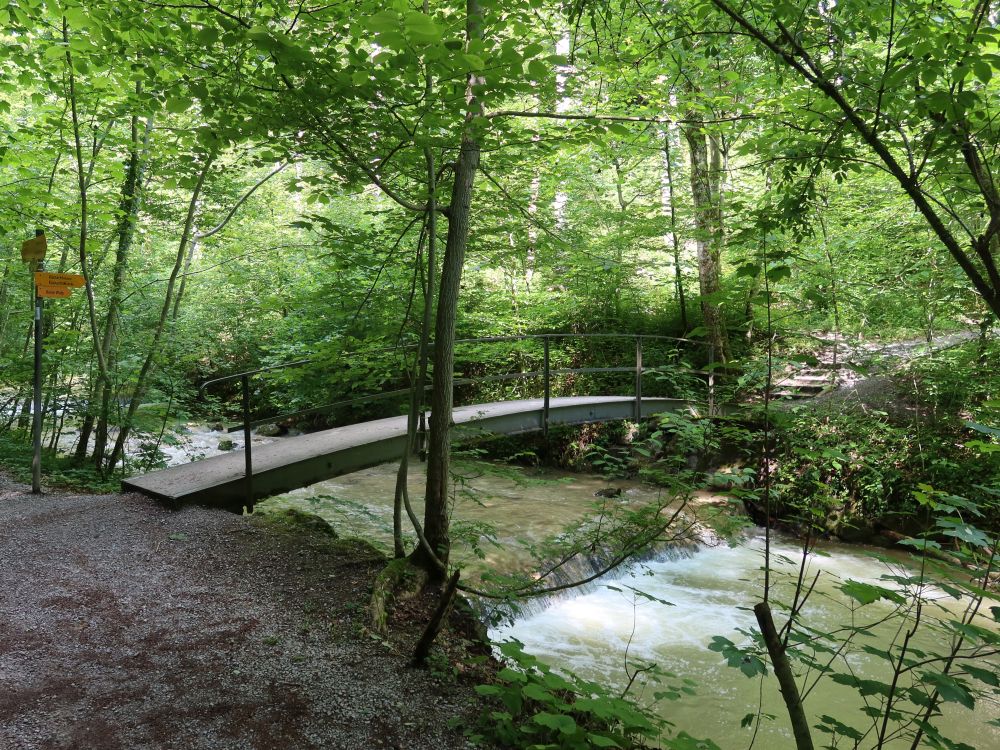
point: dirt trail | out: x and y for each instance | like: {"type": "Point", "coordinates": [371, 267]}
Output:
{"type": "Point", "coordinates": [127, 626]}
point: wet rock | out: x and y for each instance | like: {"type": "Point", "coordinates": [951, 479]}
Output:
{"type": "Point", "coordinates": [226, 444]}
{"type": "Point", "coordinates": [271, 430]}
{"type": "Point", "coordinates": [609, 492]}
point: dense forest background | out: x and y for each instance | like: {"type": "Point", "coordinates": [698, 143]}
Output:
{"type": "Point", "coordinates": [778, 184]}
{"type": "Point", "coordinates": [250, 185]}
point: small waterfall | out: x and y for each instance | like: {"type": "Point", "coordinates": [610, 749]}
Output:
{"type": "Point", "coordinates": [580, 568]}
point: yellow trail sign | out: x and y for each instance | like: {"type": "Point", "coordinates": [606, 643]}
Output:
{"type": "Point", "coordinates": [75, 280]}
{"type": "Point", "coordinates": [54, 292]}
{"type": "Point", "coordinates": [34, 249]}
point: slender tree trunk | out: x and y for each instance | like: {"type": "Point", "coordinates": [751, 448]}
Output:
{"type": "Point", "coordinates": [192, 249]}
{"type": "Point", "coordinates": [141, 381]}
{"type": "Point", "coordinates": [786, 679]}
{"type": "Point", "coordinates": [420, 365]}
{"type": "Point", "coordinates": [675, 242]}
{"type": "Point", "coordinates": [83, 182]}
{"type": "Point", "coordinates": [131, 202]}
{"type": "Point", "coordinates": [436, 519]}
{"type": "Point", "coordinates": [708, 221]}
{"type": "Point", "coordinates": [4, 304]}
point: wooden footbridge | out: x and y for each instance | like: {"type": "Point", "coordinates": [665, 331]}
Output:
{"type": "Point", "coordinates": [234, 481]}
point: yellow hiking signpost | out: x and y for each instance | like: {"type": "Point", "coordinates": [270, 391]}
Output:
{"type": "Point", "coordinates": [57, 285]}
{"type": "Point", "coordinates": [53, 292]}
{"type": "Point", "coordinates": [66, 280]}
{"type": "Point", "coordinates": [47, 286]}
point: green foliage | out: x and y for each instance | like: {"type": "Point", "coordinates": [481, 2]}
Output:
{"type": "Point", "coordinates": [60, 471]}
{"type": "Point", "coordinates": [850, 471]}
{"type": "Point", "coordinates": [536, 708]}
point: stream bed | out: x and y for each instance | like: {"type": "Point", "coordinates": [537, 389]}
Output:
{"type": "Point", "coordinates": [710, 593]}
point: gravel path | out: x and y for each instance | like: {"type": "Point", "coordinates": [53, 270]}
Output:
{"type": "Point", "coordinates": [127, 626]}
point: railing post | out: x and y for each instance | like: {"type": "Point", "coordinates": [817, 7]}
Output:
{"type": "Point", "coordinates": [638, 378]}
{"type": "Point", "coordinates": [547, 377]}
{"type": "Point", "coordinates": [247, 446]}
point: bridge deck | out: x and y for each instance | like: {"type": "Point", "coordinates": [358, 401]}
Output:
{"type": "Point", "coordinates": [290, 463]}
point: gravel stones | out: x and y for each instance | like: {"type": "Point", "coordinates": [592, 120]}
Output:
{"type": "Point", "coordinates": [126, 625]}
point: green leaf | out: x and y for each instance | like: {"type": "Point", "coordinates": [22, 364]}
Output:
{"type": "Point", "coordinates": [560, 722]}
{"type": "Point", "coordinates": [421, 28]}
{"type": "Point", "coordinates": [989, 676]}
{"type": "Point", "coordinates": [981, 428]}
{"type": "Point", "coordinates": [921, 544]}
{"type": "Point", "coordinates": [778, 273]}
{"type": "Point", "coordinates": [54, 52]}
{"type": "Point", "coordinates": [684, 741]}
{"type": "Point", "coordinates": [472, 62]}
{"type": "Point", "coordinates": [537, 70]}
{"type": "Point", "coordinates": [599, 740]}
{"type": "Point", "coordinates": [831, 725]}
{"type": "Point", "coordinates": [950, 689]}
{"type": "Point", "coordinates": [966, 532]}
{"type": "Point", "coordinates": [207, 36]}
{"type": "Point", "coordinates": [866, 593]}
{"type": "Point", "coordinates": [176, 105]}
{"type": "Point", "coordinates": [536, 692]}
{"type": "Point", "coordinates": [983, 70]}
{"type": "Point", "coordinates": [78, 18]}
{"type": "Point", "coordinates": [744, 659]}
{"type": "Point", "coordinates": [382, 21]}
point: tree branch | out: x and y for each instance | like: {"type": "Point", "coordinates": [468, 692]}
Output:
{"type": "Point", "coordinates": [240, 202]}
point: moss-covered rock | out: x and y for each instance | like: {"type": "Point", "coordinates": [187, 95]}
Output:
{"type": "Point", "coordinates": [295, 519]}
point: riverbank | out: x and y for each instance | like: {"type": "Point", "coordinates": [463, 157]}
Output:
{"type": "Point", "coordinates": [126, 625]}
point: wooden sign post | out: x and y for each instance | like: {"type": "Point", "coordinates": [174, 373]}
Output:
{"type": "Point", "coordinates": [46, 286]}
{"type": "Point", "coordinates": [33, 252]}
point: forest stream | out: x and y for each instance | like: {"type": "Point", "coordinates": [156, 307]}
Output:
{"type": "Point", "coordinates": [710, 590]}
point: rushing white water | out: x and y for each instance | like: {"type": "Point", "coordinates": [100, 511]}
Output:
{"type": "Point", "coordinates": [712, 592]}
{"type": "Point", "coordinates": [180, 444]}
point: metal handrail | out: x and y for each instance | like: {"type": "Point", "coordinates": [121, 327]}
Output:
{"type": "Point", "coordinates": [430, 345]}
{"type": "Point", "coordinates": [248, 373]}
{"type": "Point", "coordinates": [546, 373]}
{"type": "Point", "coordinates": [326, 408]}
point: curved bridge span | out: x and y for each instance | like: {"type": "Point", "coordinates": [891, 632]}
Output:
{"type": "Point", "coordinates": [289, 463]}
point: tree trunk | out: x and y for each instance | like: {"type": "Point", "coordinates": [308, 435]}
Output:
{"type": "Point", "coordinates": [670, 203]}
{"type": "Point", "coordinates": [4, 304]}
{"type": "Point", "coordinates": [83, 183]}
{"type": "Point", "coordinates": [786, 679]}
{"type": "Point", "coordinates": [436, 519]}
{"type": "Point", "coordinates": [708, 222]}
{"type": "Point", "coordinates": [147, 365]}
{"type": "Point", "coordinates": [131, 202]}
